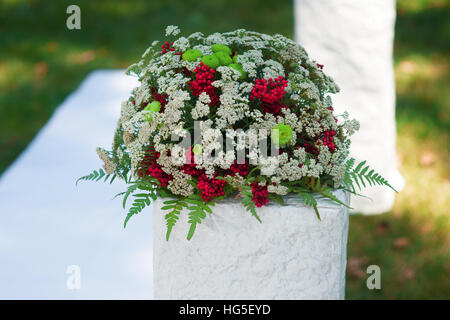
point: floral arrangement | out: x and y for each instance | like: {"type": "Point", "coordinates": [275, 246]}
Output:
{"type": "Point", "coordinates": [251, 88]}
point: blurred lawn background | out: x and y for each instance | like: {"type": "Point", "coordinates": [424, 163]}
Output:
{"type": "Point", "coordinates": [41, 62]}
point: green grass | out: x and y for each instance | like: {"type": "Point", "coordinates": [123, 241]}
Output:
{"type": "Point", "coordinates": [411, 244]}
{"type": "Point", "coordinates": [41, 62]}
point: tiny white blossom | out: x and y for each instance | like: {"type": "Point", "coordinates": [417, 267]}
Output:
{"type": "Point", "coordinates": [172, 31]}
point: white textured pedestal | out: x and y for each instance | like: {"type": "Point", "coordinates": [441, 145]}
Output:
{"type": "Point", "coordinates": [291, 255]}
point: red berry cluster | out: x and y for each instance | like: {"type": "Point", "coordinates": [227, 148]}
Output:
{"type": "Point", "coordinates": [192, 170]}
{"type": "Point", "coordinates": [210, 187]}
{"type": "Point", "coordinates": [166, 47]}
{"type": "Point", "coordinates": [260, 194]}
{"type": "Point", "coordinates": [311, 148]}
{"type": "Point", "coordinates": [149, 167]}
{"type": "Point", "coordinates": [150, 157]}
{"type": "Point", "coordinates": [190, 167]}
{"type": "Point", "coordinates": [157, 172]}
{"type": "Point", "coordinates": [162, 98]}
{"type": "Point", "coordinates": [242, 169]}
{"type": "Point", "coordinates": [328, 139]}
{"type": "Point", "coordinates": [142, 106]}
{"type": "Point", "coordinates": [270, 93]}
{"type": "Point", "coordinates": [204, 76]}
{"type": "Point", "coordinates": [185, 71]}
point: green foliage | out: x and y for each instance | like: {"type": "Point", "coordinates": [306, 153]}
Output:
{"type": "Point", "coordinates": [131, 189]}
{"type": "Point", "coordinates": [325, 191]}
{"type": "Point", "coordinates": [309, 200]}
{"type": "Point", "coordinates": [141, 199]}
{"type": "Point", "coordinates": [175, 206]}
{"type": "Point", "coordinates": [315, 186]}
{"type": "Point", "coordinates": [362, 174]}
{"type": "Point", "coordinates": [249, 204]}
{"type": "Point", "coordinates": [140, 202]}
{"type": "Point", "coordinates": [197, 212]}
{"type": "Point", "coordinates": [97, 175]}
{"type": "Point", "coordinates": [276, 198]}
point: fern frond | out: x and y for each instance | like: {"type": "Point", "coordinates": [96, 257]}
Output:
{"type": "Point", "coordinates": [97, 176]}
{"type": "Point", "coordinates": [277, 198]}
{"type": "Point", "coordinates": [348, 183]}
{"type": "Point", "coordinates": [119, 194]}
{"type": "Point", "coordinates": [350, 163]}
{"type": "Point", "coordinates": [359, 166]}
{"type": "Point", "coordinates": [175, 206]}
{"type": "Point", "coordinates": [362, 173]}
{"type": "Point", "coordinates": [327, 193]}
{"type": "Point", "coordinates": [195, 199]}
{"type": "Point", "coordinates": [141, 201]}
{"type": "Point", "coordinates": [131, 189]}
{"type": "Point", "coordinates": [309, 200]}
{"type": "Point", "coordinates": [197, 212]}
{"type": "Point", "coordinates": [249, 204]}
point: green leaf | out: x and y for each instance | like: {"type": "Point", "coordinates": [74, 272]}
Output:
{"type": "Point", "coordinates": [94, 176]}
{"type": "Point", "coordinates": [250, 205]}
{"type": "Point", "coordinates": [138, 205]}
{"type": "Point", "coordinates": [118, 195]}
{"type": "Point", "coordinates": [327, 193]}
{"type": "Point", "coordinates": [132, 188]}
{"type": "Point", "coordinates": [172, 217]}
{"type": "Point", "coordinates": [364, 170]}
{"type": "Point", "coordinates": [359, 166]}
{"type": "Point", "coordinates": [196, 212]}
{"type": "Point", "coordinates": [168, 202]}
{"type": "Point", "coordinates": [317, 212]}
{"type": "Point", "coordinates": [309, 200]}
{"type": "Point", "coordinates": [113, 178]}
{"type": "Point", "coordinates": [277, 198]}
{"type": "Point", "coordinates": [357, 175]}
{"type": "Point", "coordinates": [355, 179]}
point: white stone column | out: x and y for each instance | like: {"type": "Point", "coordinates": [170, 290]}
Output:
{"type": "Point", "coordinates": [353, 39]}
{"type": "Point", "coordinates": [290, 255]}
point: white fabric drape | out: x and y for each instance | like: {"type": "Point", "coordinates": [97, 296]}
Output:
{"type": "Point", "coordinates": [50, 225]}
{"type": "Point", "coordinates": [354, 40]}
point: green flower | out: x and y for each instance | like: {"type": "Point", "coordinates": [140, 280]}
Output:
{"type": "Point", "coordinates": [211, 61]}
{"type": "Point", "coordinates": [224, 58]}
{"type": "Point", "coordinates": [238, 67]}
{"type": "Point", "coordinates": [221, 48]}
{"type": "Point", "coordinates": [153, 107]}
{"type": "Point", "coordinates": [192, 55]}
{"type": "Point", "coordinates": [197, 149]}
{"type": "Point", "coordinates": [281, 134]}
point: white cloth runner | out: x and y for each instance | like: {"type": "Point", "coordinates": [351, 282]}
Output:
{"type": "Point", "coordinates": [354, 40]}
{"type": "Point", "coordinates": [48, 224]}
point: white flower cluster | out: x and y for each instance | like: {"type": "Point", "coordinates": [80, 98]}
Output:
{"type": "Point", "coordinates": [172, 31]}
